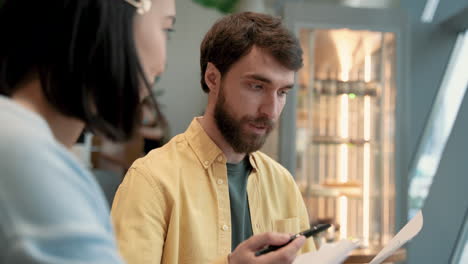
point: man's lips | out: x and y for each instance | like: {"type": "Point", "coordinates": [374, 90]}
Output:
{"type": "Point", "coordinates": [258, 128]}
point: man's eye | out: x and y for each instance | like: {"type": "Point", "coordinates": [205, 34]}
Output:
{"type": "Point", "coordinates": [169, 32]}
{"type": "Point", "coordinates": [283, 92]}
{"type": "Point", "coordinates": [256, 86]}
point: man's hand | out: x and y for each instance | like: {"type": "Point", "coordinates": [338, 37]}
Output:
{"type": "Point", "coordinates": [245, 252]}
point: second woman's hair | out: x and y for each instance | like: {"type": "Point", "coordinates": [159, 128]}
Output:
{"type": "Point", "coordinates": [84, 54]}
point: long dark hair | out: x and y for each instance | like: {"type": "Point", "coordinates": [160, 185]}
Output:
{"type": "Point", "coordinates": [83, 52]}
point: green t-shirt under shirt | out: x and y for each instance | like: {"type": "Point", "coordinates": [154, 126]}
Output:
{"type": "Point", "coordinates": [240, 212]}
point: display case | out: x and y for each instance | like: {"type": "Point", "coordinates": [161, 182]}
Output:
{"type": "Point", "coordinates": [346, 117]}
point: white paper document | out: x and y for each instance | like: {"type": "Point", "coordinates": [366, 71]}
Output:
{"type": "Point", "coordinates": [336, 253]}
{"type": "Point", "coordinates": [410, 230]}
{"type": "Point", "coordinates": [333, 253]}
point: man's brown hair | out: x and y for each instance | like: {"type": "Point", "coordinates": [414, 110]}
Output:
{"type": "Point", "coordinates": [233, 37]}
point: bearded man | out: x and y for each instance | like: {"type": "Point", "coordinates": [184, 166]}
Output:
{"type": "Point", "coordinates": [209, 191]}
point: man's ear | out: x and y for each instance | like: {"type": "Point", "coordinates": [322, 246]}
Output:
{"type": "Point", "coordinates": [212, 78]}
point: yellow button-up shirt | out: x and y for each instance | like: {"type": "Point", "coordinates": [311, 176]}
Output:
{"type": "Point", "coordinates": [173, 205]}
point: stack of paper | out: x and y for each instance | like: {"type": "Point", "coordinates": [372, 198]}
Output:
{"type": "Point", "coordinates": [336, 253]}
{"type": "Point", "coordinates": [328, 254]}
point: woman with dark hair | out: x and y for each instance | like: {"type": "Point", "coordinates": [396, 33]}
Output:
{"type": "Point", "coordinates": [64, 65]}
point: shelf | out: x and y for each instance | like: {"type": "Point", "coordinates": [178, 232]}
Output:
{"type": "Point", "coordinates": [327, 87]}
{"type": "Point", "coordinates": [333, 190]}
{"type": "Point", "coordinates": [367, 92]}
{"type": "Point", "coordinates": [338, 140]}
{"type": "Point", "coordinates": [367, 254]}
{"type": "Point", "coordinates": [347, 184]}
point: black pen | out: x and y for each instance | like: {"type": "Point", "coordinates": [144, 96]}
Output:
{"type": "Point", "coordinates": [307, 233]}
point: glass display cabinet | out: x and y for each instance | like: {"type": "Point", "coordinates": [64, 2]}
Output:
{"type": "Point", "coordinates": [346, 119]}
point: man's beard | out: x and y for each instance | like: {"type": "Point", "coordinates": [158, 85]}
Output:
{"type": "Point", "coordinates": [232, 129]}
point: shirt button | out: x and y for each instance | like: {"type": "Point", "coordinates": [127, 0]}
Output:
{"type": "Point", "coordinates": [220, 158]}
{"type": "Point", "coordinates": [206, 162]}
{"type": "Point", "coordinates": [220, 181]}
{"type": "Point", "coordinates": [225, 227]}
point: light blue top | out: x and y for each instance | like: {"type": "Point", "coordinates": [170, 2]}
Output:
{"type": "Point", "coordinates": [52, 210]}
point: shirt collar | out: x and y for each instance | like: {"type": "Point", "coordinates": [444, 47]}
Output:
{"type": "Point", "coordinates": [204, 147]}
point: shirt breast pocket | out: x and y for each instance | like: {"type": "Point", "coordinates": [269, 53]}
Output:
{"type": "Point", "coordinates": [288, 225]}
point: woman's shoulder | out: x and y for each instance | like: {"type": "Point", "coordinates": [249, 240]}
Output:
{"type": "Point", "coordinates": [30, 154]}
{"type": "Point", "coordinates": [21, 127]}
{"type": "Point", "coordinates": [35, 169]}
{"type": "Point", "coordinates": [29, 150]}
{"type": "Point", "coordinates": [23, 137]}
